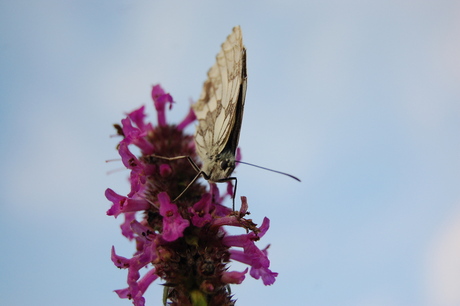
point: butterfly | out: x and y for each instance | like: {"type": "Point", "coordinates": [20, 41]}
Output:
{"type": "Point", "coordinates": [219, 110]}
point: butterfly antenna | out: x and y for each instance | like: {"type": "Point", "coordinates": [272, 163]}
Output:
{"type": "Point", "coordinates": [284, 173]}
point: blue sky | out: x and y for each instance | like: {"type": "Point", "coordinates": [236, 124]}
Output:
{"type": "Point", "coordinates": [359, 99]}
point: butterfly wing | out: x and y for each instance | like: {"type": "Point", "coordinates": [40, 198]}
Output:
{"type": "Point", "coordinates": [219, 109]}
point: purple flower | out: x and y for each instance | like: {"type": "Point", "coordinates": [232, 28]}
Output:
{"type": "Point", "coordinates": [184, 242]}
{"type": "Point", "coordinates": [234, 277]}
{"type": "Point", "coordinates": [124, 204]}
{"type": "Point", "coordinates": [200, 211]}
{"type": "Point", "coordinates": [173, 223]}
{"type": "Point", "coordinates": [188, 119]}
{"type": "Point", "coordinates": [160, 99]}
{"type": "Point", "coordinates": [136, 136]}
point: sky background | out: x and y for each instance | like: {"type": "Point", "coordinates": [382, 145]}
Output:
{"type": "Point", "coordinates": [360, 99]}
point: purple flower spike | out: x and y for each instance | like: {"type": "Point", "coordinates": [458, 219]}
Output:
{"type": "Point", "coordinates": [182, 242]}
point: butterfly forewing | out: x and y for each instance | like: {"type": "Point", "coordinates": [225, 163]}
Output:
{"type": "Point", "coordinates": [219, 110]}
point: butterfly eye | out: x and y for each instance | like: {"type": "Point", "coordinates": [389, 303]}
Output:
{"type": "Point", "coordinates": [224, 164]}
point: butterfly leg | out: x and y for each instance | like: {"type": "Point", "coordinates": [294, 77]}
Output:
{"type": "Point", "coordinates": [233, 178]}
{"type": "Point", "coordinates": [200, 173]}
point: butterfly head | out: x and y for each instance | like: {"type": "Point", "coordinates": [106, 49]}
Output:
{"type": "Point", "coordinates": [220, 167]}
